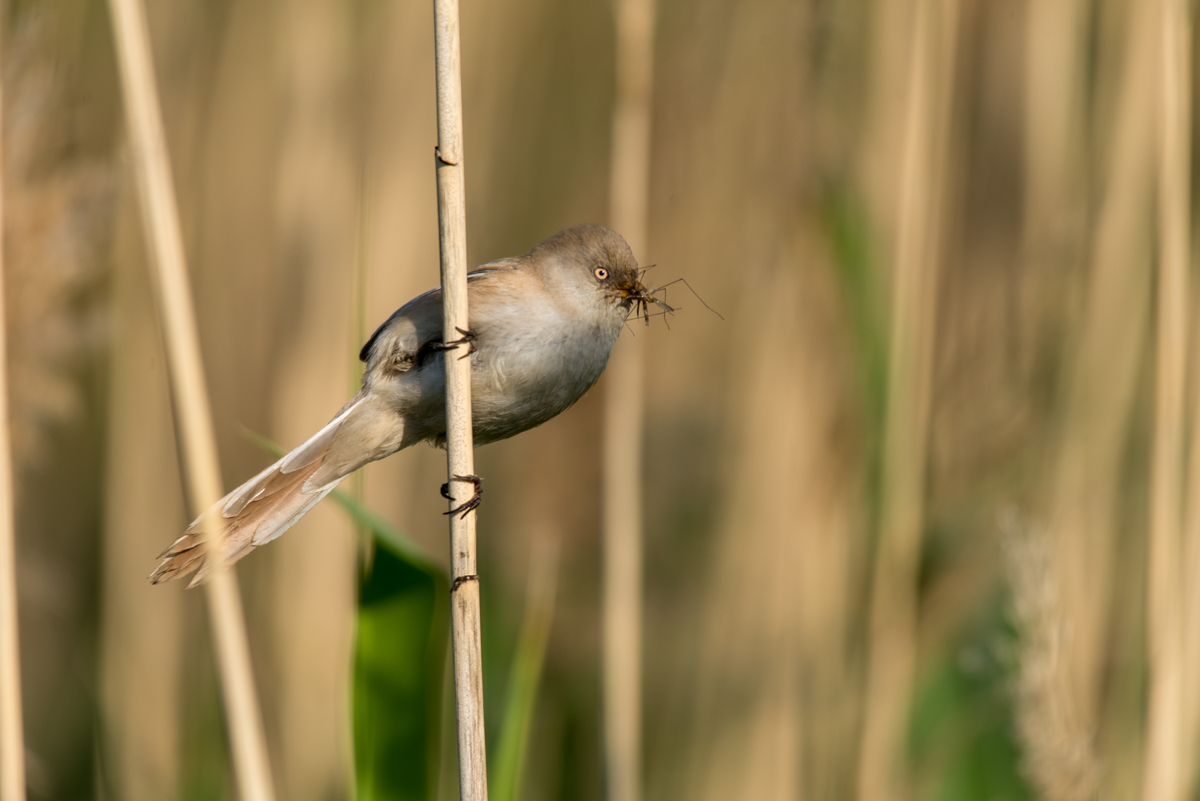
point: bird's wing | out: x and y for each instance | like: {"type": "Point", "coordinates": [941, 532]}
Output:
{"type": "Point", "coordinates": [395, 344]}
{"type": "Point", "coordinates": [404, 340]}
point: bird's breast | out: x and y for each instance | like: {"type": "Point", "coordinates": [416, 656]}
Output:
{"type": "Point", "coordinates": [533, 373]}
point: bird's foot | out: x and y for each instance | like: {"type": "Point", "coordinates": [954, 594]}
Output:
{"type": "Point", "coordinates": [461, 580]}
{"type": "Point", "coordinates": [468, 338]}
{"type": "Point", "coordinates": [472, 502]}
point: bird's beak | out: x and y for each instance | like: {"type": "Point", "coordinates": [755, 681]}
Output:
{"type": "Point", "coordinates": [634, 290]}
{"type": "Point", "coordinates": [636, 294]}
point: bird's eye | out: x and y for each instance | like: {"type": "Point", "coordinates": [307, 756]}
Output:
{"type": "Point", "coordinates": [600, 273]}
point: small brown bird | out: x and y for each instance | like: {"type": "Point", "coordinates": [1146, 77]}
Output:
{"type": "Point", "coordinates": [542, 327]}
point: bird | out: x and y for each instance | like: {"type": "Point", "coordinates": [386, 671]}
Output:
{"type": "Point", "coordinates": [541, 328]}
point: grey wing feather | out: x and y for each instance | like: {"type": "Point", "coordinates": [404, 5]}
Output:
{"type": "Point", "coordinates": [401, 332]}
{"type": "Point", "coordinates": [395, 345]}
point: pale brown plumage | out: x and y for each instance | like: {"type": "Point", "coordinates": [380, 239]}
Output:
{"type": "Point", "coordinates": [543, 326]}
{"type": "Point", "coordinates": [268, 503]}
{"type": "Point", "coordinates": [282, 499]}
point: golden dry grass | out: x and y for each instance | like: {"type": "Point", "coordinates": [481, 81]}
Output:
{"type": "Point", "coordinates": [301, 137]}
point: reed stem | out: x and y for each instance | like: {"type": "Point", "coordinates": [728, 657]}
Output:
{"type": "Point", "coordinates": [12, 729]}
{"type": "Point", "coordinates": [190, 393]}
{"type": "Point", "coordinates": [460, 457]}
{"type": "Point", "coordinates": [1101, 364]}
{"type": "Point", "coordinates": [891, 660]}
{"type": "Point", "coordinates": [1163, 776]}
{"type": "Point", "coordinates": [624, 415]}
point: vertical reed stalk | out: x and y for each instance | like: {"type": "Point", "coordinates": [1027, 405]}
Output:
{"type": "Point", "coordinates": [460, 457]}
{"type": "Point", "coordinates": [1101, 370]}
{"type": "Point", "coordinates": [143, 633]}
{"type": "Point", "coordinates": [12, 730]}
{"type": "Point", "coordinates": [1190, 629]}
{"type": "Point", "coordinates": [1191, 580]}
{"type": "Point", "coordinates": [1059, 749]}
{"type": "Point", "coordinates": [1162, 779]}
{"type": "Point", "coordinates": [1053, 70]}
{"type": "Point", "coordinates": [623, 416]}
{"type": "Point", "coordinates": [165, 244]}
{"type": "Point", "coordinates": [892, 630]}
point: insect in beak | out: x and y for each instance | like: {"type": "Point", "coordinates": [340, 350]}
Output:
{"type": "Point", "coordinates": [642, 298]}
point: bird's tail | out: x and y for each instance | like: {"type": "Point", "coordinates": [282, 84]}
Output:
{"type": "Point", "coordinates": [262, 508]}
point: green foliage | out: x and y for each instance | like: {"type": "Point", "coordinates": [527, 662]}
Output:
{"type": "Point", "coordinates": [507, 766]}
{"type": "Point", "coordinates": [399, 659]}
{"type": "Point", "coordinates": [398, 666]}
{"type": "Point", "coordinates": [848, 235]}
{"type": "Point", "coordinates": [383, 532]}
{"type": "Point", "coordinates": [963, 732]}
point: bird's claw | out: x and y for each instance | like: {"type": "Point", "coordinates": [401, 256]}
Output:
{"type": "Point", "coordinates": [468, 338]}
{"type": "Point", "coordinates": [472, 502]}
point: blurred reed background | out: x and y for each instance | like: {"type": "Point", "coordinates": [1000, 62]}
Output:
{"type": "Point", "coordinates": [301, 135]}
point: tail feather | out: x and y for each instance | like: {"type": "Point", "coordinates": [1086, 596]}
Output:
{"type": "Point", "coordinates": [274, 509]}
{"type": "Point", "coordinates": [259, 510]}
{"type": "Point", "coordinates": [302, 456]}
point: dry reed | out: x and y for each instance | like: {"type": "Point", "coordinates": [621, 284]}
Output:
{"type": "Point", "coordinates": [161, 221]}
{"type": "Point", "coordinates": [1190, 600]}
{"type": "Point", "coordinates": [460, 458]}
{"type": "Point", "coordinates": [12, 729]}
{"type": "Point", "coordinates": [624, 414]}
{"type": "Point", "coordinates": [776, 684]}
{"type": "Point", "coordinates": [1057, 737]}
{"type": "Point", "coordinates": [1162, 777]}
{"type": "Point", "coordinates": [314, 578]}
{"type": "Point", "coordinates": [777, 706]}
{"type": "Point", "coordinates": [1102, 362]}
{"type": "Point", "coordinates": [772, 712]}
{"type": "Point", "coordinates": [1058, 756]}
{"type": "Point", "coordinates": [892, 632]}
{"type": "Point", "coordinates": [1053, 106]}
{"type": "Point", "coordinates": [143, 628]}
